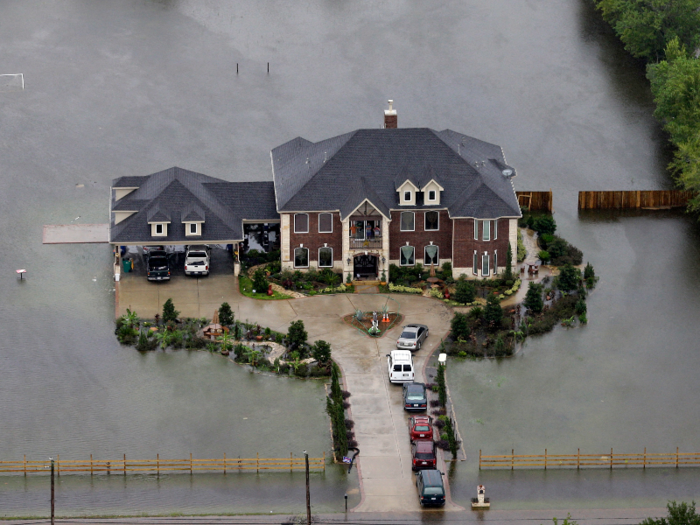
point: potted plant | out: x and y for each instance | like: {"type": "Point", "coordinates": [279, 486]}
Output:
{"type": "Point", "coordinates": [383, 281]}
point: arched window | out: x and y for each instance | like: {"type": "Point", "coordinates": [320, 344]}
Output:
{"type": "Point", "coordinates": [408, 256]}
{"type": "Point", "coordinates": [301, 258]}
{"type": "Point", "coordinates": [485, 264]}
{"type": "Point", "coordinates": [325, 257]}
{"type": "Point", "coordinates": [431, 255]}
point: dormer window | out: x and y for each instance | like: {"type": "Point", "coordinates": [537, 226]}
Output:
{"type": "Point", "coordinates": [431, 196]}
{"type": "Point", "coordinates": [407, 193]}
{"type": "Point", "coordinates": [431, 193]}
{"type": "Point", "coordinates": [407, 196]}
{"type": "Point", "coordinates": [193, 228]}
{"type": "Point", "coordinates": [159, 229]}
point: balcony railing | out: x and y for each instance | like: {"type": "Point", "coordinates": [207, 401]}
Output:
{"type": "Point", "coordinates": [358, 244]}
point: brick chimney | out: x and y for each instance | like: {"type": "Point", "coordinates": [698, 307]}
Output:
{"type": "Point", "coordinates": [390, 118]}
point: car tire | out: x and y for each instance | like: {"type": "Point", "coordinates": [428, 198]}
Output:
{"type": "Point", "coordinates": [419, 346]}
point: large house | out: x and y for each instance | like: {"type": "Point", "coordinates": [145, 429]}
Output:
{"type": "Point", "coordinates": [355, 203]}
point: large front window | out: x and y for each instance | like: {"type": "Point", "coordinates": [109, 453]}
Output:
{"type": "Point", "coordinates": [408, 221]}
{"type": "Point", "coordinates": [325, 223]}
{"type": "Point", "coordinates": [486, 231]}
{"type": "Point", "coordinates": [325, 257]}
{"type": "Point", "coordinates": [432, 220]}
{"type": "Point", "coordinates": [408, 256]}
{"type": "Point", "coordinates": [301, 258]}
{"type": "Point", "coordinates": [431, 255]}
{"type": "Point", "coordinates": [301, 223]}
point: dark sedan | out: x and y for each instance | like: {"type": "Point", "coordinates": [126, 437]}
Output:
{"type": "Point", "coordinates": [415, 398]}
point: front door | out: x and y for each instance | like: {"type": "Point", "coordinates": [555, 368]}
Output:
{"type": "Point", "coordinates": [365, 266]}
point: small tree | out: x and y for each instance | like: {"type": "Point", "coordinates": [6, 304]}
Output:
{"type": "Point", "coordinates": [569, 278]}
{"type": "Point", "coordinates": [508, 275]}
{"type": "Point", "coordinates": [321, 352]}
{"type": "Point", "coordinates": [493, 313]}
{"type": "Point", "coordinates": [465, 292]}
{"type": "Point", "coordinates": [226, 316]}
{"type": "Point", "coordinates": [169, 312]}
{"type": "Point", "coordinates": [533, 298]}
{"type": "Point", "coordinates": [460, 326]}
{"type": "Point", "coordinates": [259, 281]}
{"type": "Point", "coordinates": [678, 514]}
{"type": "Point", "coordinates": [296, 336]}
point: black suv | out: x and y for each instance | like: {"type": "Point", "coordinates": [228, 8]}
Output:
{"type": "Point", "coordinates": [431, 491]}
{"type": "Point", "coordinates": [158, 266]}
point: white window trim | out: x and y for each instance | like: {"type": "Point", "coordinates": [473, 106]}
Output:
{"type": "Point", "coordinates": [295, 222]}
{"type": "Point", "coordinates": [486, 231]}
{"type": "Point", "coordinates": [476, 230]}
{"type": "Point", "coordinates": [434, 192]}
{"type": "Point", "coordinates": [154, 228]}
{"type": "Point", "coordinates": [425, 255]}
{"type": "Point", "coordinates": [307, 257]}
{"type": "Point", "coordinates": [475, 263]}
{"type": "Point", "coordinates": [485, 258]}
{"type": "Point", "coordinates": [188, 228]}
{"type": "Point", "coordinates": [401, 222]}
{"type": "Point", "coordinates": [425, 221]}
{"type": "Point", "coordinates": [414, 256]}
{"type": "Point", "coordinates": [318, 260]}
{"type": "Point", "coordinates": [319, 223]}
{"type": "Point", "coordinates": [495, 229]}
{"type": "Point", "coordinates": [408, 200]}
{"type": "Point", "coordinates": [495, 262]}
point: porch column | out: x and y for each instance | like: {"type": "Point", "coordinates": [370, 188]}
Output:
{"type": "Point", "coordinates": [513, 241]}
{"type": "Point", "coordinates": [347, 269]}
{"type": "Point", "coordinates": [284, 241]}
{"type": "Point", "coordinates": [385, 247]}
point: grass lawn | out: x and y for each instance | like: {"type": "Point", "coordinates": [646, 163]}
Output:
{"type": "Point", "coordinates": [246, 287]}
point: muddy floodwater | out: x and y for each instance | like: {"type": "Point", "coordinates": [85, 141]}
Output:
{"type": "Point", "coordinates": [134, 87]}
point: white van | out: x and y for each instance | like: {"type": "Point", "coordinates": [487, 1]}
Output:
{"type": "Point", "coordinates": [400, 364]}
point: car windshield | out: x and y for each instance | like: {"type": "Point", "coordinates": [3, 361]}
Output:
{"type": "Point", "coordinates": [197, 254]}
{"type": "Point", "coordinates": [422, 428]}
{"type": "Point", "coordinates": [415, 396]}
{"type": "Point", "coordinates": [408, 335]}
{"type": "Point", "coordinates": [433, 491]}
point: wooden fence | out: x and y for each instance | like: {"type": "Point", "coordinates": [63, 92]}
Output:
{"type": "Point", "coordinates": [536, 200]}
{"type": "Point", "coordinates": [158, 465]}
{"type": "Point", "coordinates": [512, 461]}
{"type": "Point", "coordinates": [652, 200]}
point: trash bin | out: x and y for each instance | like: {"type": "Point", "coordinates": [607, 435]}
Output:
{"type": "Point", "coordinates": [126, 263]}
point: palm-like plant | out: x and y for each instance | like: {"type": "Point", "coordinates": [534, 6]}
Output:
{"type": "Point", "coordinates": [163, 338]}
{"type": "Point", "coordinates": [253, 354]}
{"type": "Point", "coordinates": [130, 319]}
{"type": "Point", "coordinates": [226, 340]}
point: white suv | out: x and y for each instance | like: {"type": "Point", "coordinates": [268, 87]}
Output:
{"type": "Point", "coordinates": [197, 260]}
{"type": "Point", "coordinates": [400, 365]}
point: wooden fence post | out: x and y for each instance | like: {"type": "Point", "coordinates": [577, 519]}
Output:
{"type": "Point", "coordinates": [224, 463]}
{"type": "Point", "coordinates": [124, 465]}
{"type": "Point", "coordinates": [545, 459]}
{"type": "Point", "coordinates": [512, 458]}
{"type": "Point", "coordinates": [58, 464]}
{"type": "Point", "coordinates": [644, 465]}
{"type": "Point", "coordinates": [611, 458]}
{"type": "Point", "coordinates": [324, 461]}
{"type": "Point", "coordinates": [290, 462]}
{"type": "Point", "coordinates": [25, 465]}
{"type": "Point", "coordinates": [91, 464]}
{"type": "Point", "coordinates": [479, 459]}
{"type": "Point", "coordinates": [676, 457]}
{"type": "Point", "coordinates": [190, 463]}
{"type": "Point", "coordinates": [578, 459]}
{"type": "Point", "coordinates": [157, 465]}
{"type": "Point", "coordinates": [257, 456]}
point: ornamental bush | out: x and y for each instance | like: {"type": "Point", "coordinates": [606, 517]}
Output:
{"type": "Point", "coordinates": [569, 278]}
{"type": "Point", "coordinates": [533, 298]}
{"type": "Point", "coordinates": [460, 326]}
{"type": "Point", "coordinates": [225, 315]}
{"type": "Point", "coordinates": [169, 312]}
{"type": "Point", "coordinates": [493, 313]}
{"type": "Point", "coordinates": [259, 281]}
{"type": "Point", "coordinates": [465, 292]}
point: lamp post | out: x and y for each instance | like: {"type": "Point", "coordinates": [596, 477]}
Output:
{"type": "Point", "coordinates": [308, 494]}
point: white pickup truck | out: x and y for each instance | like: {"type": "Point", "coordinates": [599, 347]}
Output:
{"type": "Point", "coordinates": [197, 260]}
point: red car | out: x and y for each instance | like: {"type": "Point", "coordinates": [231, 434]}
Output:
{"type": "Point", "coordinates": [420, 428]}
{"type": "Point", "coordinates": [424, 455]}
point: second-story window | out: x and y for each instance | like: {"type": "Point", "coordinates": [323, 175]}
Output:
{"type": "Point", "coordinates": [407, 196]}
{"type": "Point", "coordinates": [301, 223]}
{"type": "Point", "coordinates": [325, 223]}
{"type": "Point", "coordinates": [432, 220]}
{"type": "Point", "coordinates": [486, 232]}
{"type": "Point", "coordinates": [408, 221]}
{"type": "Point", "coordinates": [431, 195]}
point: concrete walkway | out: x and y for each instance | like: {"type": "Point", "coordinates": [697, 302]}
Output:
{"type": "Point", "coordinates": [381, 425]}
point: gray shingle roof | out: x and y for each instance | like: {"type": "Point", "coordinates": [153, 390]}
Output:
{"type": "Point", "coordinates": [340, 172]}
{"type": "Point", "coordinates": [183, 195]}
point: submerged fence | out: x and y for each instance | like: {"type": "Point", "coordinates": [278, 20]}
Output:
{"type": "Point", "coordinates": [158, 465]}
{"type": "Point", "coordinates": [652, 199]}
{"type": "Point", "coordinates": [512, 461]}
{"type": "Point", "coordinates": [536, 200]}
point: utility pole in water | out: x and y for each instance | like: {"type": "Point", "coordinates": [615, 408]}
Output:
{"type": "Point", "coordinates": [308, 494]}
{"type": "Point", "coordinates": [53, 499]}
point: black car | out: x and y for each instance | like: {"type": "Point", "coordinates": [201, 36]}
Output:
{"type": "Point", "coordinates": [415, 398]}
{"type": "Point", "coordinates": [158, 266]}
{"type": "Point", "coordinates": [431, 490]}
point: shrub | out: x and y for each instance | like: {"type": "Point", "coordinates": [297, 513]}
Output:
{"type": "Point", "coordinates": [476, 313]}
{"type": "Point", "coordinates": [460, 326]}
{"type": "Point", "coordinates": [144, 344]}
{"type": "Point", "coordinates": [259, 281]}
{"type": "Point", "coordinates": [543, 255]}
{"type": "Point", "coordinates": [321, 352]}
{"type": "Point", "coordinates": [225, 315]}
{"type": "Point", "coordinates": [447, 270]}
{"type": "Point", "coordinates": [296, 336]}
{"type": "Point", "coordinates": [465, 292]}
{"type": "Point", "coordinates": [508, 275]}
{"type": "Point", "coordinates": [569, 278]}
{"type": "Point", "coordinates": [442, 386]}
{"type": "Point", "coordinates": [580, 307]}
{"type": "Point", "coordinates": [533, 298]}
{"type": "Point", "coordinates": [493, 313]}
{"type": "Point", "coordinates": [169, 312]}
{"type": "Point", "coordinates": [522, 251]}
{"type": "Point", "coordinates": [544, 224]}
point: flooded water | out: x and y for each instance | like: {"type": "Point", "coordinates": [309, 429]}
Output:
{"type": "Point", "coordinates": [130, 88]}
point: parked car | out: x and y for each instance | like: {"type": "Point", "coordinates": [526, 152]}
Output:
{"type": "Point", "coordinates": [420, 428]}
{"type": "Point", "coordinates": [431, 490]}
{"type": "Point", "coordinates": [400, 365]}
{"type": "Point", "coordinates": [158, 266]}
{"type": "Point", "coordinates": [412, 336]}
{"type": "Point", "coordinates": [415, 398]}
{"type": "Point", "coordinates": [424, 456]}
{"type": "Point", "coordinates": [197, 260]}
